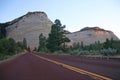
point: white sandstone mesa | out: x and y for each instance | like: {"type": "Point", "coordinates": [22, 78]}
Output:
{"type": "Point", "coordinates": [29, 26]}
{"type": "Point", "coordinates": [32, 24]}
{"type": "Point", "coordinates": [90, 35]}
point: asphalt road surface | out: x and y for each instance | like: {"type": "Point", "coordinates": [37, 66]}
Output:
{"type": "Point", "coordinates": [31, 67]}
{"type": "Point", "coordinates": [104, 67]}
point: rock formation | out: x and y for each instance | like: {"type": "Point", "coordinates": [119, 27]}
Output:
{"type": "Point", "coordinates": [29, 26]}
{"type": "Point", "coordinates": [90, 35]}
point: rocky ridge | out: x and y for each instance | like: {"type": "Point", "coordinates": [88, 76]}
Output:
{"type": "Point", "coordinates": [29, 26]}
{"type": "Point", "coordinates": [32, 24]}
{"type": "Point", "coordinates": [90, 35]}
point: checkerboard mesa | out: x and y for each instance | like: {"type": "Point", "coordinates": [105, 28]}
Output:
{"type": "Point", "coordinates": [29, 26]}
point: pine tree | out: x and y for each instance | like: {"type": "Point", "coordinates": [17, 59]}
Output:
{"type": "Point", "coordinates": [2, 31]}
{"type": "Point", "coordinates": [108, 43]}
{"type": "Point", "coordinates": [56, 36]}
{"type": "Point", "coordinates": [25, 43]}
{"type": "Point", "coordinates": [42, 42]}
{"type": "Point", "coordinates": [28, 48]}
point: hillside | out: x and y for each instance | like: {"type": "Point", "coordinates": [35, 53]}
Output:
{"type": "Point", "coordinates": [90, 35]}
{"type": "Point", "coordinates": [29, 26]}
{"type": "Point", "coordinates": [32, 24]}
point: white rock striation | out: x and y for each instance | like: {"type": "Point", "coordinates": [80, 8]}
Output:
{"type": "Point", "coordinates": [90, 35]}
{"type": "Point", "coordinates": [29, 26]}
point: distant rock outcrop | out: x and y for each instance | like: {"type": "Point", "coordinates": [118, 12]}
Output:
{"type": "Point", "coordinates": [90, 35]}
{"type": "Point", "coordinates": [29, 26]}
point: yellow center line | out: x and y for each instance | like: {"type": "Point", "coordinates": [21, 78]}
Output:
{"type": "Point", "coordinates": [81, 71]}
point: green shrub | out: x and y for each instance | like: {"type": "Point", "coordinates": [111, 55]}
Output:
{"type": "Point", "coordinates": [84, 52]}
{"type": "Point", "coordinates": [93, 52]}
{"type": "Point", "coordinates": [108, 52]}
{"type": "Point", "coordinates": [73, 52]}
{"type": "Point", "coordinates": [58, 52]}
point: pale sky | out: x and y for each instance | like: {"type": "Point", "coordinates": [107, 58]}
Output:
{"type": "Point", "coordinates": [75, 14]}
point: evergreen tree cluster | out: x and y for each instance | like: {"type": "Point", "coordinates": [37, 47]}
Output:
{"type": "Point", "coordinates": [42, 43]}
{"type": "Point", "coordinates": [56, 38]}
{"type": "Point", "coordinates": [3, 30]}
{"type": "Point", "coordinates": [109, 47]}
{"type": "Point", "coordinates": [9, 47]}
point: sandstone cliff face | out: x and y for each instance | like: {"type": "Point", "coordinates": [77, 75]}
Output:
{"type": "Point", "coordinates": [29, 26]}
{"type": "Point", "coordinates": [90, 35]}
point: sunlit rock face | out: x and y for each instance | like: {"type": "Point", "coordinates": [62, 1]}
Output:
{"type": "Point", "coordinates": [90, 35]}
{"type": "Point", "coordinates": [29, 26]}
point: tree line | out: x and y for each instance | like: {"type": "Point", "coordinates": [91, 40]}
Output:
{"type": "Point", "coordinates": [9, 47]}
{"type": "Point", "coordinates": [109, 48]}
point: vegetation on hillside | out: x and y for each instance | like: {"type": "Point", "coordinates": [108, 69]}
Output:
{"type": "Point", "coordinates": [9, 47]}
{"type": "Point", "coordinates": [108, 48]}
{"type": "Point", "coordinates": [55, 43]}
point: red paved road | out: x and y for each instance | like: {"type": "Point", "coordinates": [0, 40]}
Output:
{"type": "Point", "coordinates": [30, 67]}
{"type": "Point", "coordinates": [108, 68]}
